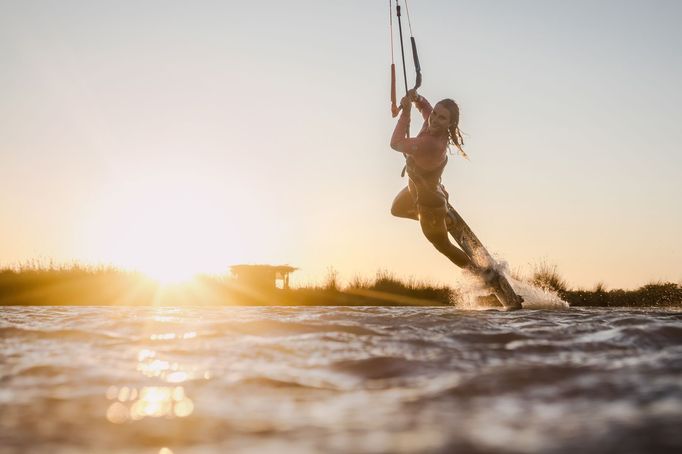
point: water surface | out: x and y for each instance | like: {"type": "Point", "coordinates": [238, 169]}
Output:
{"type": "Point", "coordinates": [333, 379]}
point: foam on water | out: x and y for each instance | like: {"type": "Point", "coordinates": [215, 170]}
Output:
{"type": "Point", "coordinates": [471, 288]}
{"type": "Point", "coordinates": [537, 298]}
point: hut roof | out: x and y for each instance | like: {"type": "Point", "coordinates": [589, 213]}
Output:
{"type": "Point", "coordinates": [275, 268]}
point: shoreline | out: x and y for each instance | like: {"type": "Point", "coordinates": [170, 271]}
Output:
{"type": "Point", "coordinates": [79, 286]}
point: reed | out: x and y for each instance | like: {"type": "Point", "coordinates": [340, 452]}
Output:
{"type": "Point", "coordinates": [387, 282]}
{"type": "Point", "coordinates": [547, 277]}
{"type": "Point", "coordinates": [656, 294]}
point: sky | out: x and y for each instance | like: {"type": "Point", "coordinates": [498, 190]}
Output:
{"type": "Point", "coordinates": [179, 137]}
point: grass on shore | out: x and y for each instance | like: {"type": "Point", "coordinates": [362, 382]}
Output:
{"type": "Point", "coordinates": [85, 285]}
{"type": "Point", "coordinates": [653, 294]}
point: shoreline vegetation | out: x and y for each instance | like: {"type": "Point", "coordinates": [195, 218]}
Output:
{"type": "Point", "coordinates": [78, 285]}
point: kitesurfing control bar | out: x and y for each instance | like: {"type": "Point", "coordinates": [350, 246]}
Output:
{"type": "Point", "coordinates": [402, 48]}
{"type": "Point", "coordinates": [417, 66]}
{"type": "Point", "coordinates": [395, 109]}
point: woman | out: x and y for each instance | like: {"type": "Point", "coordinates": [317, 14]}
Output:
{"type": "Point", "coordinates": [425, 199]}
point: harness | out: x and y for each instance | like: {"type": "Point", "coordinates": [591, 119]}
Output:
{"type": "Point", "coordinates": [427, 184]}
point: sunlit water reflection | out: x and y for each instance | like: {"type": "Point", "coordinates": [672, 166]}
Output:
{"type": "Point", "coordinates": [329, 379]}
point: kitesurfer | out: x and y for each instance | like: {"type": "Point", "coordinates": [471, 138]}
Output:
{"type": "Point", "coordinates": [425, 198]}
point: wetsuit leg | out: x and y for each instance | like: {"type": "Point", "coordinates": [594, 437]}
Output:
{"type": "Point", "coordinates": [404, 205]}
{"type": "Point", "coordinates": [434, 229]}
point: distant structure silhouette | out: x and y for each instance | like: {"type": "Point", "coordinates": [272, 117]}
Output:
{"type": "Point", "coordinates": [263, 276]}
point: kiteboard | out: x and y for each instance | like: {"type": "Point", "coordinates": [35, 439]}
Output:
{"type": "Point", "coordinates": [485, 265]}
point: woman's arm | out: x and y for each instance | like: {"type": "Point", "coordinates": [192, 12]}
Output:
{"type": "Point", "coordinates": [399, 141]}
{"type": "Point", "coordinates": [402, 127]}
{"type": "Point", "coordinates": [423, 106]}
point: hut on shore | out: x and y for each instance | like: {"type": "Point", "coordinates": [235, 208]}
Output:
{"type": "Point", "coordinates": [263, 276]}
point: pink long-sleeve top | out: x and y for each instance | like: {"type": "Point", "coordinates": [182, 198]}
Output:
{"type": "Point", "coordinates": [427, 151]}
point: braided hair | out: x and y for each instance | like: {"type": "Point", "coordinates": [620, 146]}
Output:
{"type": "Point", "coordinates": [454, 133]}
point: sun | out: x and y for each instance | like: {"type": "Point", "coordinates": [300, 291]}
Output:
{"type": "Point", "coordinates": [168, 231]}
{"type": "Point", "coordinates": [167, 274]}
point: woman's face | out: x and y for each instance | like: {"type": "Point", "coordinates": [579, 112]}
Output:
{"type": "Point", "coordinates": [439, 120]}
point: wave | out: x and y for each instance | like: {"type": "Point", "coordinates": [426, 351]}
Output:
{"type": "Point", "coordinates": [281, 328]}
{"type": "Point", "coordinates": [290, 382]}
{"type": "Point", "coordinates": [60, 334]}
{"type": "Point", "coordinates": [42, 370]}
{"type": "Point", "coordinates": [379, 367]}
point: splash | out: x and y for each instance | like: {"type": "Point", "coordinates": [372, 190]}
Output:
{"type": "Point", "coordinates": [476, 296]}
{"type": "Point", "coordinates": [536, 297]}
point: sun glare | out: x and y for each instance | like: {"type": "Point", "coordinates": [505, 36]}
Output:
{"type": "Point", "coordinates": [169, 275]}
{"type": "Point", "coordinates": [169, 231]}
